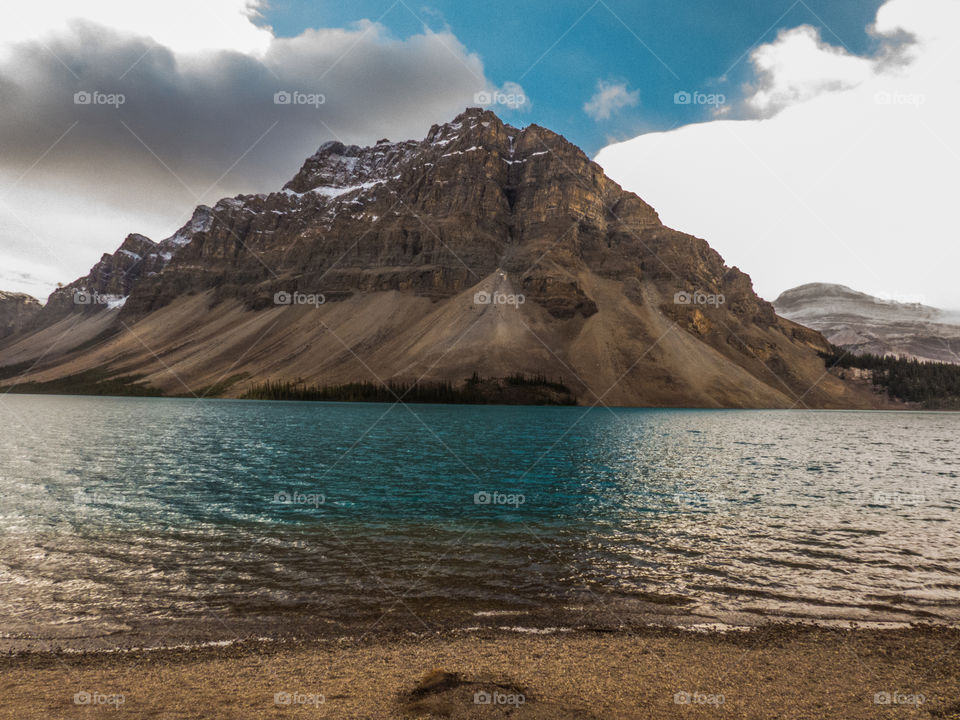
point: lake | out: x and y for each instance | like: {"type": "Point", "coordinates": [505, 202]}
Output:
{"type": "Point", "coordinates": [128, 521]}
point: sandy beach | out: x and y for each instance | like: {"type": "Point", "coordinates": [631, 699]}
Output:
{"type": "Point", "coordinates": [777, 672]}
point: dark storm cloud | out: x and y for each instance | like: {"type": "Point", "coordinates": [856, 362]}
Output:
{"type": "Point", "coordinates": [145, 108]}
{"type": "Point", "coordinates": [102, 134]}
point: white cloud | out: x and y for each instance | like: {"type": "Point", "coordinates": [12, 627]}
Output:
{"type": "Point", "coordinates": [510, 95]}
{"type": "Point", "coordinates": [800, 66]}
{"type": "Point", "coordinates": [610, 98]}
{"type": "Point", "coordinates": [180, 25]}
{"type": "Point", "coordinates": [853, 181]}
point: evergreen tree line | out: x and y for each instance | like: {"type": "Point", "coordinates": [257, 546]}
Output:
{"type": "Point", "coordinates": [473, 392]}
{"type": "Point", "coordinates": [520, 380]}
{"type": "Point", "coordinates": [933, 384]}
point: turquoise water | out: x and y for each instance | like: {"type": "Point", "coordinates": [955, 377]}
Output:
{"type": "Point", "coordinates": [160, 520]}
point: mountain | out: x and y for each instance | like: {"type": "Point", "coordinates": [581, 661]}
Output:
{"type": "Point", "coordinates": [862, 323]}
{"type": "Point", "coordinates": [482, 249]}
{"type": "Point", "coordinates": [110, 282]}
{"type": "Point", "coordinates": [17, 311]}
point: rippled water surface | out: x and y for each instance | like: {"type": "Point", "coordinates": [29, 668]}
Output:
{"type": "Point", "coordinates": [172, 519]}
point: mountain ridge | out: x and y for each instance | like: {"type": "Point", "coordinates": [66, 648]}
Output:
{"type": "Point", "coordinates": [862, 323]}
{"type": "Point", "coordinates": [17, 312]}
{"type": "Point", "coordinates": [395, 243]}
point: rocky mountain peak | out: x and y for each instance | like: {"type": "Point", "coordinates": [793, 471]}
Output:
{"type": "Point", "coordinates": [862, 323]}
{"type": "Point", "coordinates": [335, 166]}
{"type": "Point", "coordinates": [201, 221]}
{"type": "Point", "coordinates": [17, 311]}
{"type": "Point", "coordinates": [472, 120]}
{"type": "Point", "coordinates": [114, 277]}
{"type": "Point", "coordinates": [136, 244]}
{"type": "Point", "coordinates": [6, 296]}
{"type": "Point", "coordinates": [419, 242]}
{"type": "Point", "coordinates": [470, 138]}
{"type": "Point", "coordinates": [433, 216]}
{"type": "Point", "coordinates": [817, 291]}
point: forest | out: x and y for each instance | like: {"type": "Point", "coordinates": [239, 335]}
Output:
{"type": "Point", "coordinates": [934, 385]}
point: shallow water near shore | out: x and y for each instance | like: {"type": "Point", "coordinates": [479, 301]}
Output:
{"type": "Point", "coordinates": [162, 521]}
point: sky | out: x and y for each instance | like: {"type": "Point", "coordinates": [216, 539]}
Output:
{"type": "Point", "coordinates": [726, 115]}
{"type": "Point", "coordinates": [846, 172]}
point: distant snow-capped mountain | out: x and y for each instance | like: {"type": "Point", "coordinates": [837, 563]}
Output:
{"type": "Point", "coordinates": [866, 324]}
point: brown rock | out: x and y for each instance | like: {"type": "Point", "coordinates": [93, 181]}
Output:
{"type": "Point", "coordinates": [399, 240]}
{"type": "Point", "coordinates": [17, 311]}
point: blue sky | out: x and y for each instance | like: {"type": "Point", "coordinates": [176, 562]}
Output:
{"type": "Point", "coordinates": [559, 51]}
{"type": "Point", "coordinates": [832, 110]}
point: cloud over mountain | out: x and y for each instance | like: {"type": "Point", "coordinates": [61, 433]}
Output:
{"type": "Point", "coordinates": [845, 171]}
{"type": "Point", "coordinates": [107, 130]}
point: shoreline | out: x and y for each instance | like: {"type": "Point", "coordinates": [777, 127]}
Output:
{"type": "Point", "coordinates": [784, 671]}
{"type": "Point", "coordinates": [633, 617]}
{"type": "Point", "coordinates": [398, 634]}
{"type": "Point", "coordinates": [898, 407]}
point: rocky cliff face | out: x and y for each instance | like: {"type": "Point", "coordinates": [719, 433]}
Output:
{"type": "Point", "coordinates": [863, 323]}
{"type": "Point", "coordinates": [403, 241]}
{"type": "Point", "coordinates": [111, 281]}
{"type": "Point", "coordinates": [17, 311]}
{"type": "Point", "coordinates": [434, 217]}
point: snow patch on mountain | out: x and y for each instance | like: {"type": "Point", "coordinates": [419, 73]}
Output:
{"type": "Point", "coordinates": [866, 324]}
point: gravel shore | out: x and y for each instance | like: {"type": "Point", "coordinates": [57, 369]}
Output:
{"type": "Point", "coordinates": [774, 672]}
